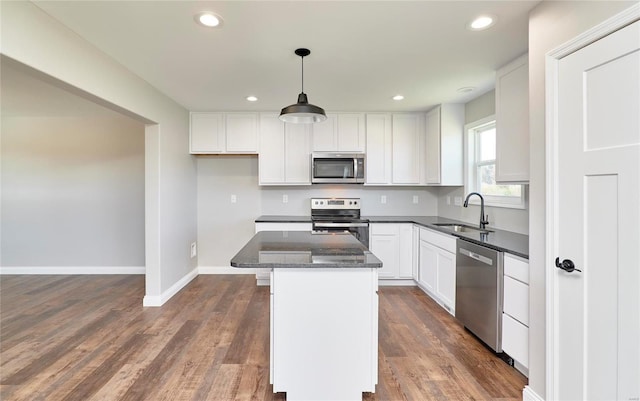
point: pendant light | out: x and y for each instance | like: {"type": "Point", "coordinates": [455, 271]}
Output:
{"type": "Point", "coordinates": [303, 111]}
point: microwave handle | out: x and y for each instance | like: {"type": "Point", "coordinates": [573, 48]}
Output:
{"type": "Point", "coordinates": [355, 168]}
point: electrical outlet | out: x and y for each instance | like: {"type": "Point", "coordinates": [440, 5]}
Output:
{"type": "Point", "coordinates": [194, 249]}
{"type": "Point", "coordinates": [457, 200]}
{"type": "Point", "coordinates": [416, 199]}
{"type": "Point", "coordinates": [383, 199]}
{"type": "Point", "coordinates": [448, 200]}
{"type": "Point", "coordinates": [285, 198]}
{"type": "Point", "coordinates": [234, 199]}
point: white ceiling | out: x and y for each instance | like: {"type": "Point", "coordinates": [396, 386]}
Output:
{"type": "Point", "coordinates": [362, 52]}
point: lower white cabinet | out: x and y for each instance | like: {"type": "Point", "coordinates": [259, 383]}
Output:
{"type": "Point", "coordinates": [392, 243]}
{"type": "Point", "coordinates": [324, 332]}
{"type": "Point", "coordinates": [515, 316]}
{"type": "Point", "coordinates": [263, 277]}
{"type": "Point", "coordinates": [437, 267]}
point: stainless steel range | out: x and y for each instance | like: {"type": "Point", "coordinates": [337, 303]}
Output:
{"type": "Point", "coordinates": [330, 215]}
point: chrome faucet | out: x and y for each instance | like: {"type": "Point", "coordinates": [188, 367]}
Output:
{"type": "Point", "coordinates": [484, 220]}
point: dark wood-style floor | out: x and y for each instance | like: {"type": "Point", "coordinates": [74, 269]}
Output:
{"type": "Point", "coordinates": [89, 338]}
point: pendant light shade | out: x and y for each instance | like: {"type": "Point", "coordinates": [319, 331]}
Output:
{"type": "Point", "coordinates": [303, 111]}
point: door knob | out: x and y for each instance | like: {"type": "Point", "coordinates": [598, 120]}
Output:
{"type": "Point", "coordinates": [566, 265]}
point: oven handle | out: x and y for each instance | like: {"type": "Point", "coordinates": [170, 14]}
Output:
{"type": "Point", "coordinates": [340, 225]}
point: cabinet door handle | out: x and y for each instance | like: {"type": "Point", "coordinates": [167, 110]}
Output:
{"type": "Point", "coordinates": [566, 265]}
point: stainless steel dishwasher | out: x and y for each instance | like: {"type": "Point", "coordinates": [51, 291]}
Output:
{"type": "Point", "coordinates": [479, 291]}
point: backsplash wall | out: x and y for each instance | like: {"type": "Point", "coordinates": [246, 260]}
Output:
{"type": "Point", "coordinates": [224, 227]}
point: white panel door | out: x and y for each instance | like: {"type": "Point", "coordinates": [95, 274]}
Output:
{"type": "Point", "coordinates": [207, 133]}
{"type": "Point", "coordinates": [596, 325]}
{"type": "Point", "coordinates": [325, 134]}
{"type": "Point", "coordinates": [297, 154]}
{"type": "Point", "coordinates": [242, 132]}
{"type": "Point", "coordinates": [446, 278]}
{"type": "Point", "coordinates": [386, 248]}
{"type": "Point", "coordinates": [272, 157]}
{"type": "Point", "coordinates": [407, 148]}
{"type": "Point", "coordinates": [351, 132]}
{"type": "Point", "coordinates": [432, 155]}
{"type": "Point", "coordinates": [428, 266]}
{"type": "Point", "coordinates": [378, 163]}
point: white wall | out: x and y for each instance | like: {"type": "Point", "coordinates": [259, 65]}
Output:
{"type": "Point", "coordinates": [72, 193]}
{"type": "Point", "coordinates": [516, 220]}
{"type": "Point", "coordinates": [224, 227]}
{"type": "Point", "coordinates": [33, 38]}
{"type": "Point", "coordinates": [551, 24]}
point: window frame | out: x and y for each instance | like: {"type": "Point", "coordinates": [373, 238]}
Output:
{"type": "Point", "coordinates": [472, 178]}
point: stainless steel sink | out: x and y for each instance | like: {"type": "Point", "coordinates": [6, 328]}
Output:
{"type": "Point", "coordinates": [462, 228]}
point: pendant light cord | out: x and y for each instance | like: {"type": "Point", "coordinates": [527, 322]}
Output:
{"type": "Point", "coordinates": [302, 63]}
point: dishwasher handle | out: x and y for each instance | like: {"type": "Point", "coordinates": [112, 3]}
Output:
{"type": "Point", "coordinates": [473, 255]}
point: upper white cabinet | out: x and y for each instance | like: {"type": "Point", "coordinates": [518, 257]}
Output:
{"type": "Point", "coordinates": [407, 144]}
{"type": "Point", "coordinates": [378, 163]}
{"type": "Point", "coordinates": [284, 152]}
{"type": "Point", "coordinates": [512, 122]}
{"type": "Point", "coordinates": [340, 132]}
{"type": "Point", "coordinates": [215, 133]}
{"type": "Point", "coordinates": [444, 131]}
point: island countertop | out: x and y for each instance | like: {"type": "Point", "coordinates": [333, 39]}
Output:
{"type": "Point", "coordinates": [302, 249]}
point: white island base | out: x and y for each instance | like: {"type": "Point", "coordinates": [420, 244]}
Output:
{"type": "Point", "coordinates": [324, 333]}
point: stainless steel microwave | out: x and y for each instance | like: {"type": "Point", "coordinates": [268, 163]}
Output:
{"type": "Point", "coordinates": [337, 168]}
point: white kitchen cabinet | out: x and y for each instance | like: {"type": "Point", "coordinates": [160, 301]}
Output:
{"type": "Point", "coordinates": [263, 275]}
{"type": "Point", "coordinates": [378, 163]}
{"type": "Point", "coordinates": [393, 244]}
{"type": "Point", "coordinates": [407, 144]}
{"type": "Point", "coordinates": [220, 133]}
{"type": "Point", "coordinates": [428, 267]}
{"type": "Point", "coordinates": [515, 317]}
{"type": "Point", "coordinates": [444, 133]}
{"type": "Point", "coordinates": [284, 152]}
{"type": "Point", "coordinates": [512, 122]}
{"type": "Point", "coordinates": [324, 332]}
{"type": "Point", "coordinates": [340, 132]}
{"type": "Point", "coordinates": [437, 267]}
{"type": "Point", "coordinates": [207, 133]}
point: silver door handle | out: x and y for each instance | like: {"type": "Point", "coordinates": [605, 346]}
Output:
{"type": "Point", "coordinates": [477, 257]}
{"type": "Point", "coordinates": [341, 225]}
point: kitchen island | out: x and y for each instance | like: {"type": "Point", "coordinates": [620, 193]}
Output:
{"type": "Point", "coordinates": [324, 313]}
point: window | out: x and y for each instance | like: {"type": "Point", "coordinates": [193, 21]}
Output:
{"type": "Point", "coordinates": [481, 172]}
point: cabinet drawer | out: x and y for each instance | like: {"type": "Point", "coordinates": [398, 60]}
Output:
{"type": "Point", "coordinates": [383, 229]}
{"type": "Point", "coordinates": [515, 340]}
{"type": "Point", "coordinates": [444, 241]}
{"type": "Point", "coordinates": [516, 300]}
{"type": "Point", "coordinates": [516, 267]}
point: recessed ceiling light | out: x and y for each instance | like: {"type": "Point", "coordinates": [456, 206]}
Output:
{"type": "Point", "coordinates": [208, 19]}
{"type": "Point", "coordinates": [252, 98]}
{"type": "Point", "coordinates": [466, 89]}
{"type": "Point", "coordinates": [482, 22]}
{"type": "Point", "coordinates": [398, 97]}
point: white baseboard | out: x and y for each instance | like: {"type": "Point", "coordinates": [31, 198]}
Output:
{"type": "Point", "coordinates": [529, 395]}
{"type": "Point", "coordinates": [396, 282]}
{"type": "Point", "coordinates": [171, 291]}
{"type": "Point", "coordinates": [72, 270]}
{"type": "Point", "coordinates": [224, 270]}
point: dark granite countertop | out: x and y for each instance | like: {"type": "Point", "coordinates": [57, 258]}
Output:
{"type": "Point", "coordinates": [282, 249]}
{"type": "Point", "coordinates": [501, 240]}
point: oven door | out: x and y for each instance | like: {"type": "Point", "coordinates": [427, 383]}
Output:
{"type": "Point", "coordinates": [359, 230]}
